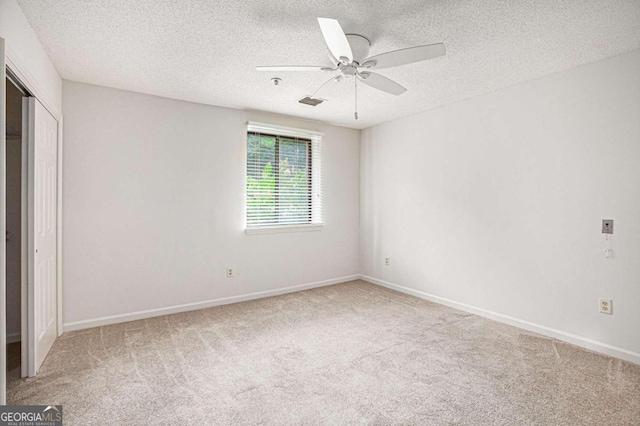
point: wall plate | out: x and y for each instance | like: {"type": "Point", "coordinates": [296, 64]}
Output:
{"type": "Point", "coordinates": [606, 306]}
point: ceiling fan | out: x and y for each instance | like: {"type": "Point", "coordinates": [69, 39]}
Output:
{"type": "Point", "coordinates": [349, 54]}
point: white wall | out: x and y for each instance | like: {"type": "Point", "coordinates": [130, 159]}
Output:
{"type": "Point", "coordinates": [154, 206]}
{"type": "Point", "coordinates": [496, 201]}
{"type": "Point", "coordinates": [24, 50]}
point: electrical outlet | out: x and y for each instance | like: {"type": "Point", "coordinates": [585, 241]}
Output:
{"type": "Point", "coordinates": [387, 261]}
{"type": "Point", "coordinates": [229, 272]}
{"type": "Point", "coordinates": [606, 306]}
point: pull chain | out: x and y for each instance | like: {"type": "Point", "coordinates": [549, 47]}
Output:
{"type": "Point", "coordinates": [356, 106]}
{"type": "Point", "coordinates": [324, 84]}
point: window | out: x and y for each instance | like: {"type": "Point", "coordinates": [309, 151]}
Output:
{"type": "Point", "coordinates": [284, 183]}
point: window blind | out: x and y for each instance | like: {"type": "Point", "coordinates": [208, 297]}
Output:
{"type": "Point", "coordinates": [284, 177]}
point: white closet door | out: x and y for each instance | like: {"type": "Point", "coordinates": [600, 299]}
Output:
{"type": "Point", "coordinates": [42, 178]}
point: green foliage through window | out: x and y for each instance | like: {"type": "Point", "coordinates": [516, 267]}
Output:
{"type": "Point", "coordinates": [278, 180]}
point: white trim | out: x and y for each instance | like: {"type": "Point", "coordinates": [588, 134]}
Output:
{"type": "Point", "coordinates": [14, 337]}
{"type": "Point", "coordinates": [583, 342]}
{"type": "Point", "coordinates": [27, 79]}
{"type": "Point", "coordinates": [254, 126]}
{"type": "Point", "coordinates": [59, 312]}
{"type": "Point", "coordinates": [24, 255]}
{"type": "Point", "coordinates": [115, 319]}
{"type": "Point", "coordinates": [30, 314]}
{"type": "Point", "coordinates": [285, 228]}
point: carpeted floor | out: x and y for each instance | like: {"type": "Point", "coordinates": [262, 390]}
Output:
{"type": "Point", "coordinates": [351, 353]}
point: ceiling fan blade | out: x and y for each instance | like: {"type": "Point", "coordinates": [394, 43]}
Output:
{"type": "Point", "coordinates": [405, 56]}
{"type": "Point", "coordinates": [381, 83]}
{"type": "Point", "coordinates": [294, 68]}
{"type": "Point", "coordinates": [336, 39]}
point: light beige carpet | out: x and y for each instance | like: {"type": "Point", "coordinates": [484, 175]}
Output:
{"type": "Point", "coordinates": [352, 353]}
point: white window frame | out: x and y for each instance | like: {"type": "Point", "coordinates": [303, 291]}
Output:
{"type": "Point", "coordinates": [317, 216]}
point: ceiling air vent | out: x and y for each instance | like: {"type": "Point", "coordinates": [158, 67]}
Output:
{"type": "Point", "coordinates": [307, 100]}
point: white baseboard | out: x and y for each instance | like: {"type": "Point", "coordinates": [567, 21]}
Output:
{"type": "Point", "coordinates": [115, 319]}
{"type": "Point", "coordinates": [14, 337]}
{"type": "Point", "coordinates": [584, 342]}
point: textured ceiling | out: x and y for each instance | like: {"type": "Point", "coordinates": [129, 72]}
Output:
{"type": "Point", "coordinates": [206, 51]}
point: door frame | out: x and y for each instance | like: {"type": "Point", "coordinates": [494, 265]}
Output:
{"type": "Point", "coordinates": [25, 79]}
{"type": "Point", "coordinates": [18, 71]}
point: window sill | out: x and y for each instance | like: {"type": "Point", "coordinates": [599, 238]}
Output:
{"type": "Point", "coordinates": [280, 229]}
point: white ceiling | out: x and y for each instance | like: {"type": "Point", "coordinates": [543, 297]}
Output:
{"type": "Point", "coordinates": [206, 51]}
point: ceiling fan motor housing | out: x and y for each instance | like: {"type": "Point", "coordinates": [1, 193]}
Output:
{"type": "Point", "coordinates": [348, 70]}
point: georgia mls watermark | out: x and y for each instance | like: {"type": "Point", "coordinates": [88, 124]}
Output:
{"type": "Point", "coordinates": [31, 415]}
